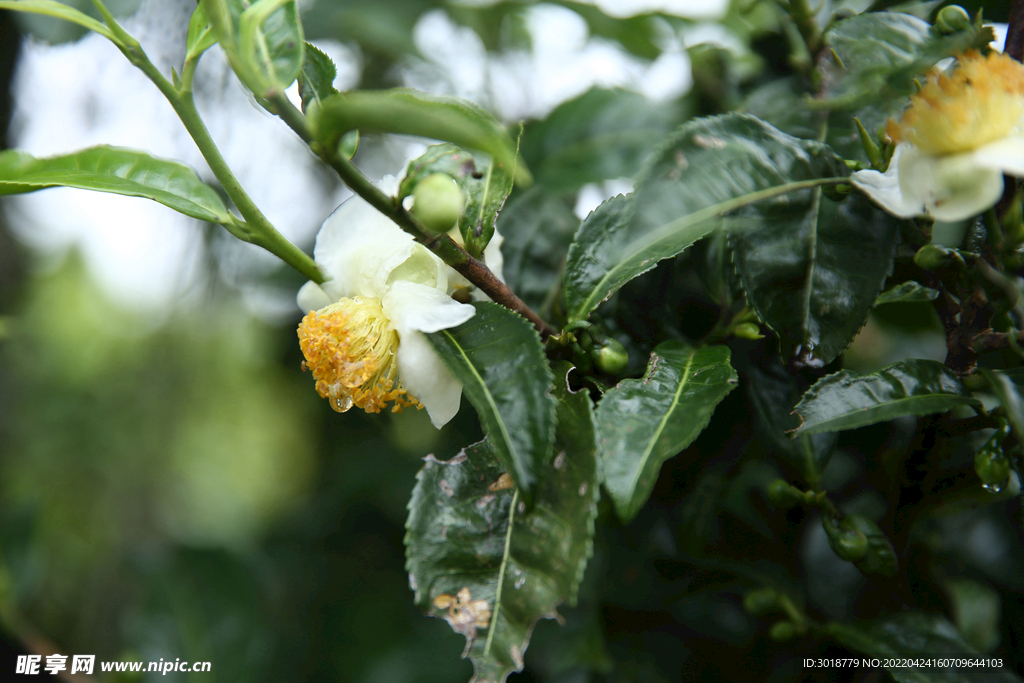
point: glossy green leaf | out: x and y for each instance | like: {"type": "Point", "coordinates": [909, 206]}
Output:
{"type": "Point", "coordinates": [644, 422]}
{"type": "Point", "coordinates": [51, 8]}
{"type": "Point", "coordinates": [411, 112]}
{"type": "Point", "coordinates": [710, 168]}
{"type": "Point", "coordinates": [907, 292]}
{"type": "Point", "coordinates": [773, 392]}
{"type": "Point", "coordinates": [316, 79]}
{"type": "Point", "coordinates": [200, 35]}
{"type": "Point", "coordinates": [600, 135]}
{"type": "Point", "coordinates": [498, 357]}
{"type": "Point", "coordinates": [909, 635]}
{"type": "Point", "coordinates": [116, 170]}
{"type": "Point", "coordinates": [479, 559]}
{"type": "Point", "coordinates": [880, 54]}
{"type": "Point", "coordinates": [812, 269]}
{"type": "Point", "coordinates": [538, 228]}
{"type": "Point", "coordinates": [263, 41]}
{"type": "Point", "coordinates": [848, 399]}
{"type": "Point", "coordinates": [1009, 399]}
{"type": "Point", "coordinates": [484, 188]}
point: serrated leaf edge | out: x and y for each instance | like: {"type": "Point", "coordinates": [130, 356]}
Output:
{"type": "Point", "coordinates": [661, 233]}
{"type": "Point", "coordinates": [966, 400]}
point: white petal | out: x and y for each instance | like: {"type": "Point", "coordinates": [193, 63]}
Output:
{"type": "Point", "coordinates": [1006, 155]}
{"type": "Point", "coordinates": [358, 247]}
{"type": "Point", "coordinates": [414, 307]}
{"type": "Point", "coordinates": [312, 298]}
{"type": "Point", "coordinates": [426, 377]}
{"type": "Point", "coordinates": [422, 267]}
{"type": "Point", "coordinates": [493, 256]}
{"type": "Point", "coordinates": [884, 188]}
{"type": "Point", "coordinates": [952, 187]}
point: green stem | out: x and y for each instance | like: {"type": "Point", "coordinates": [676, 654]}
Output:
{"type": "Point", "coordinates": [446, 249]}
{"type": "Point", "coordinates": [804, 18]}
{"type": "Point", "coordinates": [256, 228]}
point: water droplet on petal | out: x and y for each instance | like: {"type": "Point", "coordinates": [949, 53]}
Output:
{"type": "Point", "coordinates": [342, 403]}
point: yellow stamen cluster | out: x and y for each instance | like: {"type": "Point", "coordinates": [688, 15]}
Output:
{"type": "Point", "coordinates": [350, 348]}
{"type": "Point", "coordinates": [981, 101]}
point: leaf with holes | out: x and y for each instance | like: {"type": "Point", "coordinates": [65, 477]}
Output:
{"type": "Point", "coordinates": [644, 422]}
{"type": "Point", "coordinates": [478, 558]}
{"type": "Point", "coordinates": [848, 399]}
{"type": "Point", "coordinates": [118, 171]}
{"type": "Point", "coordinates": [709, 169]}
{"type": "Point", "coordinates": [499, 359]}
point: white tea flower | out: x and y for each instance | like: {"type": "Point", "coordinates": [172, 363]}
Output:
{"type": "Point", "coordinates": [363, 337]}
{"type": "Point", "coordinates": [955, 141]}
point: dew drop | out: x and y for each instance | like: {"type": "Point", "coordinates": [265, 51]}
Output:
{"type": "Point", "coordinates": [342, 403]}
{"type": "Point", "coordinates": [994, 488]}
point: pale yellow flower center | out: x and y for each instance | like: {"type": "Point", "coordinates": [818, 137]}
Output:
{"type": "Point", "coordinates": [980, 101]}
{"type": "Point", "coordinates": [350, 348]}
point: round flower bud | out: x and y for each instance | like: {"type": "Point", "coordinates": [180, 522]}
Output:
{"type": "Point", "coordinates": [610, 357]}
{"type": "Point", "coordinates": [992, 466]}
{"type": "Point", "coordinates": [952, 19]}
{"type": "Point", "coordinates": [781, 494]}
{"type": "Point", "coordinates": [931, 256]}
{"type": "Point", "coordinates": [761, 601]}
{"type": "Point", "coordinates": [747, 331]}
{"type": "Point", "coordinates": [849, 545]}
{"type": "Point", "coordinates": [437, 202]}
{"type": "Point", "coordinates": [782, 631]}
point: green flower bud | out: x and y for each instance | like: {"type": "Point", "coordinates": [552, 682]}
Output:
{"type": "Point", "coordinates": [783, 495]}
{"type": "Point", "coordinates": [610, 356]}
{"type": "Point", "coordinates": [992, 467]}
{"type": "Point", "coordinates": [836, 192]}
{"type": "Point", "coordinates": [880, 557]}
{"type": "Point", "coordinates": [761, 601]}
{"type": "Point", "coordinates": [932, 256]}
{"type": "Point", "coordinates": [747, 331]}
{"type": "Point", "coordinates": [871, 150]}
{"type": "Point", "coordinates": [437, 202]}
{"type": "Point", "coordinates": [849, 545]}
{"type": "Point", "coordinates": [782, 631]}
{"type": "Point", "coordinates": [952, 19]}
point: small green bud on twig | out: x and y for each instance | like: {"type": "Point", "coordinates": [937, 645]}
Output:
{"type": "Point", "coordinates": [952, 19]}
{"type": "Point", "coordinates": [438, 202]}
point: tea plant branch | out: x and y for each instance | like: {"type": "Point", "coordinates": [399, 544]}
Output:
{"type": "Point", "coordinates": [451, 253]}
{"type": "Point", "coordinates": [255, 227]}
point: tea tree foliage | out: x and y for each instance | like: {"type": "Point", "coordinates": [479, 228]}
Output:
{"type": "Point", "coordinates": [707, 425]}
